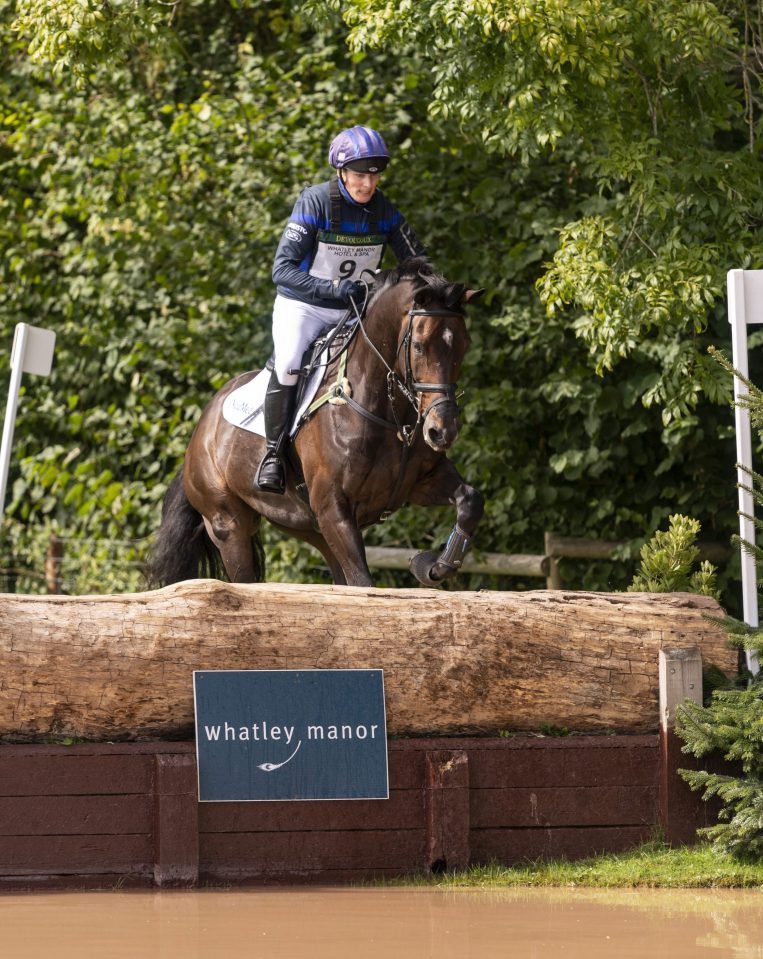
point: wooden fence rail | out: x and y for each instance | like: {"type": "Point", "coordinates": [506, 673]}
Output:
{"type": "Point", "coordinates": [556, 547]}
{"type": "Point", "coordinates": [491, 564]}
{"type": "Point", "coordinates": [541, 566]}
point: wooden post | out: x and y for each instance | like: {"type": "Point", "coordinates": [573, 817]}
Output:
{"type": "Point", "coordinates": [682, 811]}
{"type": "Point", "coordinates": [554, 579]}
{"type": "Point", "coordinates": [53, 560]}
{"type": "Point", "coordinates": [176, 821]}
{"type": "Point", "coordinates": [558, 547]}
{"type": "Point", "coordinates": [579, 547]}
{"type": "Point", "coordinates": [447, 810]}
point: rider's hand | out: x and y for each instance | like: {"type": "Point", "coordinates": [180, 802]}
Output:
{"type": "Point", "coordinates": [350, 288]}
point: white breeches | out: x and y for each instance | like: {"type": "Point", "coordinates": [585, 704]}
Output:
{"type": "Point", "coordinates": [295, 326]}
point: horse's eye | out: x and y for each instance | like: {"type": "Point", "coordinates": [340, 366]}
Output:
{"type": "Point", "coordinates": [418, 348]}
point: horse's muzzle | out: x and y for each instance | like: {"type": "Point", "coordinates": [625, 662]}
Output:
{"type": "Point", "coordinates": [441, 425]}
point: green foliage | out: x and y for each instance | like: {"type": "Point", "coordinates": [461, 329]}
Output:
{"type": "Point", "coordinates": [554, 731]}
{"type": "Point", "coordinates": [80, 34]}
{"type": "Point", "coordinates": [659, 104]}
{"type": "Point", "coordinates": [731, 725]}
{"type": "Point", "coordinates": [122, 233]}
{"type": "Point", "coordinates": [667, 562]}
{"type": "Point", "coordinates": [743, 636]}
{"type": "Point", "coordinates": [751, 400]}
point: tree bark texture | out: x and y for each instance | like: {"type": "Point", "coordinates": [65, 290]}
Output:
{"type": "Point", "coordinates": [119, 667]}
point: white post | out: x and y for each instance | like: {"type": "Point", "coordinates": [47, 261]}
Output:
{"type": "Point", "coordinates": [32, 353]}
{"type": "Point", "coordinates": [745, 296]}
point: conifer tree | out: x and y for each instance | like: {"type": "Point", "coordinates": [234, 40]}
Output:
{"type": "Point", "coordinates": [667, 561]}
{"type": "Point", "coordinates": [732, 723]}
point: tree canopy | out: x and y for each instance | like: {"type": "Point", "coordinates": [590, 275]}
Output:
{"type": "Point", "coordinates": [594, 164]}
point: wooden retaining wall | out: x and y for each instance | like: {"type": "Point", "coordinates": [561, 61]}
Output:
{"type": "Point", "coordinates": [105, 814]}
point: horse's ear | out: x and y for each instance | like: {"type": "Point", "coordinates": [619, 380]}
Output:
{"type": "Point", "coordinates": [455, 296]}
{"type": "Point", "coordinates": [424, 296]}
{"type": "Point", "coordinates": [472, 295]}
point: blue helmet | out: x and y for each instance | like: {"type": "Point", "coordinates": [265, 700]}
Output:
{"type": "Point", "coordinates": [359, 148]}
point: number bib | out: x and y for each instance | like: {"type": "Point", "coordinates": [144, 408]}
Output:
{"type": "Point", "coordinates": [343, 255]}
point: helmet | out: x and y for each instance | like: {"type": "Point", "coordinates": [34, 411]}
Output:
{"type": "Point", "coordinates": [359, 148]}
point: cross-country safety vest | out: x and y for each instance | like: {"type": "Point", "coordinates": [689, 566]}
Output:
{"type": "Point", "coordinates": [344, 256]}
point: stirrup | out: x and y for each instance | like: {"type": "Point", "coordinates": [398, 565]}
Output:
{"type": "Point", "coordinates": [270, 475]}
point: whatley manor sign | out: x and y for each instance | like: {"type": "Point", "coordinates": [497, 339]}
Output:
{"type": "Point", "coordinates": [291, 734]}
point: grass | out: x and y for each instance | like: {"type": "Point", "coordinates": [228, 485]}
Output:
{"type": "Point", "coordinates": [653, 865]}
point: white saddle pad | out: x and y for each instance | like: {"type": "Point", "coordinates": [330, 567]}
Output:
{"type": "Point", "coordinates": [243, 407]}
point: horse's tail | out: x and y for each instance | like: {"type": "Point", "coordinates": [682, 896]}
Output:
{"type": "Point", "coordinates": [182, 548]}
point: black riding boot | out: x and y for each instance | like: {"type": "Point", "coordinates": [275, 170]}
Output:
{"type": "Point", "coordinates": [279, 405]}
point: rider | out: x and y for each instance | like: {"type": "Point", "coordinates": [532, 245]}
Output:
{"type": "Point", "coordinates": [337, 230]}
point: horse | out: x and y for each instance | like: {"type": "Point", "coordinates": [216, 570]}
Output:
{"type": "Point", "coordinates": [379, 443]}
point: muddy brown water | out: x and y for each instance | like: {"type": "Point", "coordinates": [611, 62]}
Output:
{"type": "Point", "coordinates": [400, 923]}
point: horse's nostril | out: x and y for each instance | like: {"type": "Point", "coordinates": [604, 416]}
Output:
{"type": "Point", "coordinates": [438, 439]}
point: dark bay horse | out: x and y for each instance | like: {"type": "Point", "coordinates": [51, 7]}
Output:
{"type": "Point", "coordinates": [381, 445]}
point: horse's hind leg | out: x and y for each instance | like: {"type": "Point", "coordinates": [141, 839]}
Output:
{"type": "Point", "coordinates": [233, 528]}
{"type": "Point", "coordinates": [230, 523]}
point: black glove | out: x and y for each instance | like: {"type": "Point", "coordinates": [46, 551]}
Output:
{"type": "Point", "coordinates": [350, 288]}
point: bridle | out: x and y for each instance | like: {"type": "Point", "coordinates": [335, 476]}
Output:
{"type": "Point", "coordinates": [447, 389]}
{"type": "Point", "coordinates": [412, 390]}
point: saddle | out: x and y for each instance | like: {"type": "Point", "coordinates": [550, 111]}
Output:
{"type": "Point", "coordinates": [243, 407]}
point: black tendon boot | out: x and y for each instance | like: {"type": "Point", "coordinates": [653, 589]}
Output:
{"type": "Point", "coordinates": [279, 405]}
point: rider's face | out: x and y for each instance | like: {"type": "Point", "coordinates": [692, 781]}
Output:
{"type": "Point", "coordinates": [360, 186]}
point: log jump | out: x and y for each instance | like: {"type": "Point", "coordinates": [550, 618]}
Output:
{"type": "Point", "coordinates": [119, 667]}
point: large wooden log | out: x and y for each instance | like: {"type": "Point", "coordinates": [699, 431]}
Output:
{"type": "Point", "coordinates": [120, 666]}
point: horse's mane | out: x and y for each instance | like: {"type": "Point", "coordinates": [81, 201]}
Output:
{"type": "Point", "coordinates": [422, 274]}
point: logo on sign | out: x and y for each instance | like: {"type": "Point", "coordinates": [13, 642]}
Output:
{"type": "Point", "coordinates": [291, 734]}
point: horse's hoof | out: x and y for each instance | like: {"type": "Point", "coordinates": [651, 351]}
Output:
{"type": "Point", "coordinates": [422, 564]}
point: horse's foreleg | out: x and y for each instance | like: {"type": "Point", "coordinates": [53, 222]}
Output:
{"type": "Point", "coordinates": [314, 538]}
{"type": "Point", "coordinates": [346, 544]}
{"type": "Point", "coordinates": [444, 485]}
{"type": "Point", "coordinates": [341, 536]}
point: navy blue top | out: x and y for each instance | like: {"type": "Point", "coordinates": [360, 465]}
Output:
{"type": "Point", "coordinates": [311, 214]}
